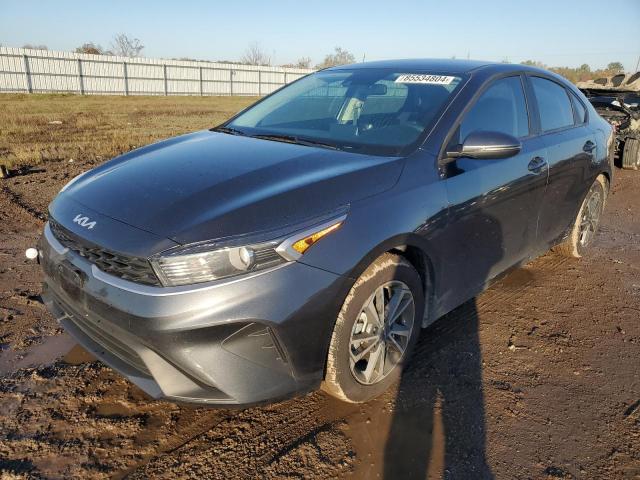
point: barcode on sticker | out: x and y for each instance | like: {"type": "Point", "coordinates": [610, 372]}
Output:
{"type": "Point", "coordinates": [424, 78]}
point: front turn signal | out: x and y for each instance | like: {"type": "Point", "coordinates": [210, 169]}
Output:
{"type": "Point", "coordinates": [293, 247]}
{"type": "Point", "coordinates": [303, 244]}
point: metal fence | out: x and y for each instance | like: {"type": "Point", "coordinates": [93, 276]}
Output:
{"type": "Point", "coordinates": [43, 71]}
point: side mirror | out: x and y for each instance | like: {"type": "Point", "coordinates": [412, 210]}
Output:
{"type": "Point", "coordinates": [484, 145]}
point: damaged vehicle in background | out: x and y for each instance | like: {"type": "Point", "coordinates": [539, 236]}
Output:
{"type": "Point", "coordinates": [617, 100]}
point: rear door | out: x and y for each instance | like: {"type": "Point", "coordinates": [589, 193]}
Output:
{"type": "Point", "coordinates": [571, 147]}
{"type": "Point", "coordinates": [494, 204]}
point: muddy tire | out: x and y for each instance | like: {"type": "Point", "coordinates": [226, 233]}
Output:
{"type": "Point", "coordinates": [376, 330]}
{"type": "Point", "coordinates": [587, 221]}
{"type": "Point", "coordinates": [631, 154]}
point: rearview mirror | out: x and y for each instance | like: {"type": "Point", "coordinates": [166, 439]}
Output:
{"type": "Point", "coordinates": [484, 145]}
{"type": "Point", "coordinates": [377, 89]}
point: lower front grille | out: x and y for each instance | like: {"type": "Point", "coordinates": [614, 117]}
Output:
{"type": "Point", "coordinates": [134, 269]}
{"type": "Point", "coordinates": [100, 336]}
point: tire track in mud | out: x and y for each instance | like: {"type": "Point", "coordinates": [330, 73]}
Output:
{"type": "Point", "coordinates": [16, 199]}
{"type": "Point", "coordinates": [246, 443]}
{"type": "Point", "coordinates": [175, 441]}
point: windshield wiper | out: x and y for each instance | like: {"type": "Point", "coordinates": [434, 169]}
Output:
{"type": "Point", "coordinates": [296, 140]}
{"type": "Point", "coordinates": [229, 130]}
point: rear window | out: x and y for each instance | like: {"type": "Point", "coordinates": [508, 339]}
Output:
{"type": "Point", "coordinates": [553, 104]}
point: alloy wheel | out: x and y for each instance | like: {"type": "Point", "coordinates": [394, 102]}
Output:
{"type": "Point", "coordinates": [381, 333]}
{"type": "Point", "coordinates": [590, 218]}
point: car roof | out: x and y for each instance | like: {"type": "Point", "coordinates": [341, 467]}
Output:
{"type": "Point", "coordinates": [453, 66]}
{"type": "Point", "coordinates": [437, 65]}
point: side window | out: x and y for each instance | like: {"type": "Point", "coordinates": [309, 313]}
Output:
{"type": "Point", "coordinates": [579, 110]}
{"type": "Point", "coordinates": [553, 104]}
{"type": "Point", "coordinates": [501, 108]}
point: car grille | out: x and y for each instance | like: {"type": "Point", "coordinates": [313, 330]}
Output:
{"type": "Point", "coordinates": [100, 336]}
{"type": "Point", "coordinates": [134, 269]}
{"type": "Point", "coordinates": [111, 344]}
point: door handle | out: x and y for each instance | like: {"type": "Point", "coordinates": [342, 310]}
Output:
{"type": "Point", "coordinates": [589, 146]}
{"type": "Point", "coordinates": [537, 164]}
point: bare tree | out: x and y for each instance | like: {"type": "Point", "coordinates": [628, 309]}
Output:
{"type": "Point", "coordinates": [616, 67]}
{"type": "Point", "coordinates": [125, 46]}
{"type": "Point", "coordinates": [303, 62]}
{"type": "Point", "coordinates": [340, 56]}
{"type": "Point", "coordinates": [254, 55]}
{"type": "Point", "coordinates": [90, 48]}
{"type": "Point", "coordinates": [35, 47]}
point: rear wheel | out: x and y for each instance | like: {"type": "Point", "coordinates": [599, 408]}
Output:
{"type": "Point", "coordinates": [376, 330]}
{"type": "Point", "coordinates": [587, 221]}
{"type": "Point", "coordinates": [631, 154]}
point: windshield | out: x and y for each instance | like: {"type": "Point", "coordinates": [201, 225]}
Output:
{"type": "Point", "coordinates": [370, 110]}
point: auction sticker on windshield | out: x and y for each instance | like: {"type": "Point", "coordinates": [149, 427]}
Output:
{"type": "Point", "coordinates": [424, 78]}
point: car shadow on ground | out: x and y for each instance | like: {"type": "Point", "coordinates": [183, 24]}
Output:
{"type": "Point", "coordinates": [438, 423]}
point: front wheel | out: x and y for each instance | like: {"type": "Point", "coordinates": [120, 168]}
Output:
{"type": "Point", "coordinates": [586, 223]}
{"type": "Point", "coordinates": [376, 330]}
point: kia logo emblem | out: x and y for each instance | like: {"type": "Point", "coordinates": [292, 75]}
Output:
{"type": "Point", "coordinates": [84, 221]}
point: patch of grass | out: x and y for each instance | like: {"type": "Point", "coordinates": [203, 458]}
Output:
{"type": "Point", "coordinates": [39, 128]}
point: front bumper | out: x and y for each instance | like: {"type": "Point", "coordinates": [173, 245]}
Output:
{"type": "Point", "coordinates": [238, 341]}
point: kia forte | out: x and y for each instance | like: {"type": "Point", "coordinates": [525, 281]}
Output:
{"type": "Point", "coordinates": [305, 243]}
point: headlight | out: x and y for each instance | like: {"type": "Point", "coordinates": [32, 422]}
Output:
{"type": "Point", "coordinates": [204, 262]}
{"type": "Point", "coordinates": [197, 264]}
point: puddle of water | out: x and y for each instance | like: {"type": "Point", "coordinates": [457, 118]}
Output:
{"type": "Point", "coordinates": [44, 353]}
{"type": "Point", "coordinates": [78, 355]}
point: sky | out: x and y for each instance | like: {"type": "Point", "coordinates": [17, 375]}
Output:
{"type": "Point", "coordinates": [555, 32]}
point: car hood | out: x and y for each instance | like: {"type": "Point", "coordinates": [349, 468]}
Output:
{"type": "Point", "coordinates": [209, 185]}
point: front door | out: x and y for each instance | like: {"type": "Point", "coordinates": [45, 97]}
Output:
{"type": "Point", "coordinates": [494, 204]}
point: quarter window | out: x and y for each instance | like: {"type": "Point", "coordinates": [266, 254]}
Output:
{"type": "Point", "coordinates": [579, 110]}
{"type": "Point", "coordinates": [553, 104]}
{"type": "Point", "coordinates": [501, 108]}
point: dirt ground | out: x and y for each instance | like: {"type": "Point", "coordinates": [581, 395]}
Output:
{"type": "Point", "coordinates": [538, 378]}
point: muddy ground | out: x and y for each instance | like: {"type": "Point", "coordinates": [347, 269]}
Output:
{"type": "Point", "coordinates": [538, 378]}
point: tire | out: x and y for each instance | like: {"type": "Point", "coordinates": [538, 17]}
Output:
{"type": "Point", "coordinates": [360, 381]}
{"type": "Point", "coordinates": [587, 221]}
{"type": "Point", "coordinates": [631, 154]}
